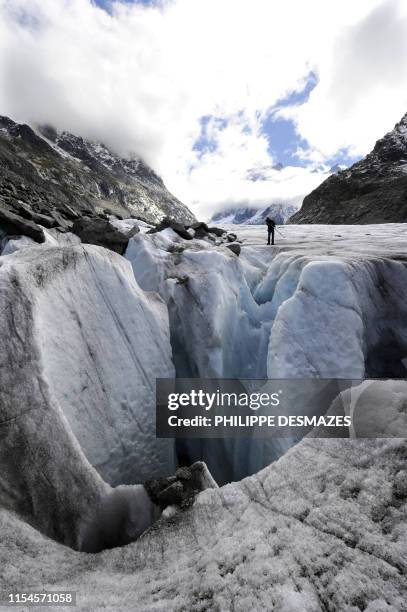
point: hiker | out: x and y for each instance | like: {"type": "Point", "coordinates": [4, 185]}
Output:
{"type": "Point", "coordinates": [270, 229]}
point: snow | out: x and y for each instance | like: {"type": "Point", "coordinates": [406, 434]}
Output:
{"type": "Point", "coordinates": [127, 224]}
{"type": "Point", "coordinates": [251, 216]}
{"type": "Point", "coordinates": [15, 244]}
{"type": "Point", "coordinates": [354, 240]}
{"type": "Point", "coordinates": [222, 335]}
{"type": "Point", "coordinates": [52, 238]}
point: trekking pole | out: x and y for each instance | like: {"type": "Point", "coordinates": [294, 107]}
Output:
{"type": "Point", "coordinates": [282, 235]}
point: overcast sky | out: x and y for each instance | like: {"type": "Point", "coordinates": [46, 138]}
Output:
{"type": "Point", "coordinates": [212, 93]}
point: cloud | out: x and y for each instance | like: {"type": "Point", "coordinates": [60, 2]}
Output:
{"type": "Point", "coordinates": [142, 78]}
{"type": "Point", "coordinates": [237, 168]}
{"type": "Point", "coordinates": [361, 91]}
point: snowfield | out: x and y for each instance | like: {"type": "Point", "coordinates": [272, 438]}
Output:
{"type": "Point", "coordinates": [88, 331]}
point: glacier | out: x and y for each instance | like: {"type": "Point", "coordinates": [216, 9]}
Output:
{"type": "Point", "coordinates": [324, 302]}
{"type": "Point", "coordinates": [266, 312]}
{"type": "Point", "coordinates": [321, 528]}
{"type": "Point", "coordinates": [84, 345]}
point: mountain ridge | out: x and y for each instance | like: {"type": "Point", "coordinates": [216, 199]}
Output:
{"type": "Point", "coordinates": [64, 176]}
{"type": "Point", "coordinates": [373, 190]}
{"type": "Point", "coordinates": [253, 216]}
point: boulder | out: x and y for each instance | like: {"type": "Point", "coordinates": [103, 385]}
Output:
{"type": "Point", "coordinates": [178, 228]}
{"type": "Point", "coordinates": [200, 225]}
{"type": "Point", "coordinates": [69, 212]}
{"type": "Point", "coordinates": [21, 209]}
{"type": "Point", "coordinates": [102, 233]}
{"type": "Point", "coordinates": [115, 214]}
{"type": "Point", "coordinates": [234, 247]}
{"type": "Point", "coordinates": [218, 231]}
{"type": "Point", "coordinates": [182, 488]}
{"type": "Point", "coordinates": [15, 225]}
{"type": "Point", "coordinates": [201, 231]}
{"type": "Point", "coordinates": [43, 220]}
{"type": "Point", "coordinates": [60, 220]}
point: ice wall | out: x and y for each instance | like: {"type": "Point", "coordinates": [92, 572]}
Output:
{"type": "Point", "coordinates": [83, 346]}
{"type": "Point", "coordinates": [318, 310]}
{"type": "Point", "coordinates": [344, 319]}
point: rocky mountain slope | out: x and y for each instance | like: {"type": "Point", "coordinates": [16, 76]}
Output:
{"type": "Point", "coordinates": [374, 190]}
{"type": "Point", "coordinates": [252, 216]}
{"type": "Point", "coordinates": [50, 178]}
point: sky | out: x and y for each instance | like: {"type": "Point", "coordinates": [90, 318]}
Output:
{"type": "Point", "coordinates": [213, 94]}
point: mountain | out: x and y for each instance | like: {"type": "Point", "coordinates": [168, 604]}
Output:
{"type": "Point", "coordinates": [374, 190]}
{"type": "Point", "coordinates": [61, 176]}
{"type": "Point", "coordinates": [252, 216]}
{"type": "Point", "coordinates": [336, 168]}
{"type": "Point", "coordinates": [262, 173]}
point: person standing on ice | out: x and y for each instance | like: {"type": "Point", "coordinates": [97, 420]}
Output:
{"type": "Point", "coordinates": [270, 229]}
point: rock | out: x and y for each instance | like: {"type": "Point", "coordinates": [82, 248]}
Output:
{"type": "Point", "coordinates": [60, 220]}
{"type": "Point", "coordinates": [200, 230]}
{"type": "Point", "coordinates": [231, 237]}
{"type": "Point", "coordinates": [182, 488]}
{"type": "Point", "coordinates": [44, 220]}
{"type": "Point", "coordinates": [22, 209]}
{"type": "Point", "coordinates": [109, 212]}
{"type": "Point", "coordinates": [218, 231]}
{"type": "Point", "coordinates": [16, 225]}
{"type": "Point", "coordinates": [234, 247]}
{"type": "Point", "coordinates": [174, 225]}
{"type": "Point", "coordinates": [70, 212]}
{"type": "Point", "coordinates": [102, 233]}
{"type": "Point", "coordinates": [200, 225]}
